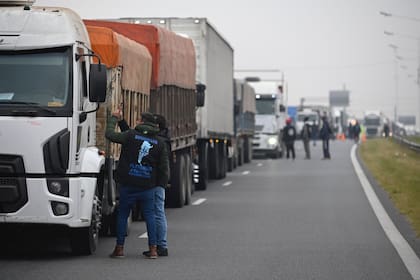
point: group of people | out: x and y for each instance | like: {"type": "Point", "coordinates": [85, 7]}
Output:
{"type": "Point", "coordinates": [290, 135]}
{"type": "Point", "coordinates": [142, 175]}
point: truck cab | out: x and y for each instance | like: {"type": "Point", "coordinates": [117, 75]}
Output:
{"type": "Point", "coordinates": [269, 119]}
{"type": "Point", "coordinates": [48, 97]}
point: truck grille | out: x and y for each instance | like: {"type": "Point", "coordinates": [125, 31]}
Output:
{"type": "Point", "coordinates": [13, 191]}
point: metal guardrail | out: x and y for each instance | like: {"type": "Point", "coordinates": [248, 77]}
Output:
{"type": "Point", "coordinates": [411, 145]}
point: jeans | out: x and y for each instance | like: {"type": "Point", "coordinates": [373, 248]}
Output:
{"type": "Point", "coordinates": [128, 197]}
{"type": "Point", "coordinates": [161, 224]}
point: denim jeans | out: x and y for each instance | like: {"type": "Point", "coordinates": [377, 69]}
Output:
{"type": "Point", "coordinates": [128, 197]}
{"type": "Point", "coordinates": [161, 224]}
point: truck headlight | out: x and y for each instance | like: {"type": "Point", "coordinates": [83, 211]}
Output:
{"type": "Point", "coordinates": [272, 141]}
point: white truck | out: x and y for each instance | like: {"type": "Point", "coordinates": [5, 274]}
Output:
{"type": "Point", "coordinates": [313, 119]}
{"type": "Point", "coordinates": [215, 135]}
{"type": "Point", "coordinates": [52, 172]}
{"type": "Point", "coordinates": [373, 122]}
{"type": "Point", "coordinates": [269, 120]}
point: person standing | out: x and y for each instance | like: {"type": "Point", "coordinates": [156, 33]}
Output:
{"type": "Point", "coordinates": [325, 133]}
{"type": "Point", "coordinates": [356, 132]}
{"type": "Point", "coordinates": [143, 163]}
{"type": "Point", "coordinates": [161, 222]}
{"type": "Point", "coordinates": [306, 137]}
{"type": "Point", "coordinates": [289, 137]}
{"type": "Point", "coordinates": [160, 216]}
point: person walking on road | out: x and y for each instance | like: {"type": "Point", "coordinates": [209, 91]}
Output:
{"type": "Point", "coordinates": [325, 134]}
{"type": "Point", "coordinates": [289, 137]}
{"type": "Point", "coordinates": [306, 137]}
{"type": "Point", "coordinates": [142, 165]}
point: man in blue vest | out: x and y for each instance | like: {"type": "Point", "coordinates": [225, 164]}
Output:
{"type": "Point", "coordinates": [142, 165]}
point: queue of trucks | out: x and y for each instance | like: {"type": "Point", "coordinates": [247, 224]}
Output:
{"type": "Point", "coordinates": [62, 77]}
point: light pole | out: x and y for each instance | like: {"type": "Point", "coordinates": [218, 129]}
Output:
{"type": "Point", "coordinates": [394, 47]}
{"type": "Point", "coordinates": [387, 14]}
{"type": "Point", "coordinates": [417, 39]}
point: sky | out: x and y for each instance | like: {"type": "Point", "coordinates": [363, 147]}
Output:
{"type": "Point", "coordinates": [319, 45]}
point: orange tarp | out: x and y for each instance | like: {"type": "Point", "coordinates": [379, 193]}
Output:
{"type": "Point", "coordinates": [116, 50]}
{"type": "Point", "coordinates": [173, 55]}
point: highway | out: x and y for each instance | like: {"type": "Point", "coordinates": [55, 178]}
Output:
{"type": "Point", "coordinates": [270, 219]}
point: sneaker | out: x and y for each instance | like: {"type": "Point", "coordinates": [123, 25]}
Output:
{"type": "Point", "coordinates": [162, 252]}
{"type": "Point", "coordinates": [118, 252]}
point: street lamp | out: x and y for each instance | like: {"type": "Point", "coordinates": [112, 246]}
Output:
{"type": "Point", "coordinates": [386, 14]}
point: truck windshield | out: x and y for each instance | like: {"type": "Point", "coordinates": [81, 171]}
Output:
{"type": "Point", "coordinates": [311, 117]}
{"type": "Point", "coordinates": [372, 121]}
{"type": "Point", "coordinates": [265, 106]}
{"type": "Point", "coordinates": [39, 78]}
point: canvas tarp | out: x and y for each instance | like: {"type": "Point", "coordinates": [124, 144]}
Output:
{"type": "Point", "coordinates": [116, 50]}
{"type": "Point", "coordinates": [173, 55]}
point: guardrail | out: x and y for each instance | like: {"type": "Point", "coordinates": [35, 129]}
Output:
{"type": "Point", "coordinates": [411, 145]}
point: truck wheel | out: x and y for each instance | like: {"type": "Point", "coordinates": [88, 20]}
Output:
{"type": "Point", "coordinates": [222, 161]}
{"type": "Point", "coordinates": [203, 175]}
{"type": "Point", "coordinates": [84, 241]}
{"type": "Point", "coordinates": [176, 194]}
{"type": "Point", "coordinates": [188, 179]}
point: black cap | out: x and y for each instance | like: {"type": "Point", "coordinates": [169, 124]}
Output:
{"type": "Point", "coordinates": [160, 120]}
{"type": "Point", "coordinates": [147, 117]}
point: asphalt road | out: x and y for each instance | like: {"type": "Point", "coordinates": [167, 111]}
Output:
{"type": "Point", "coordinates": [270, 219]}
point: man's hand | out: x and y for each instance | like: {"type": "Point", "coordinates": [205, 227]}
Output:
{"type": "Point", "coordinates": [117, 114]}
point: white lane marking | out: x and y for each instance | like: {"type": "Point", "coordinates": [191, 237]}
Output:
{"type": "Point", "coordinates": [144, 235]}
{"type": "Point", "coordinates": [408, 256]}
{"type": "Point", "coordinates": [245, 172]}
{"type": "Point", "coordinates": [199, 201]}
{"type": "Point", "coordinates": [260, 164]}
{"type": "Point", "coordinates": [225, 184]}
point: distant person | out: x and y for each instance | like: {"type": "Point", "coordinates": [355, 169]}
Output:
{"type": "Point", "coordinates": [325, 134]}
{"type": "Point", "coordinates": [306, 137]}
{"type": "Point", "coordinates": [386, 130]}
{"type": "Point", "coordinates": [142, 165]}
{"type": "Point", "coordinates": [289, 137]}
{"type": "Point", "coordinates": [356, 132]}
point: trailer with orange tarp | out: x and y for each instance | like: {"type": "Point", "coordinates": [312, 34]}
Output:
{"type": "Point", "coordinates": [172, 95]}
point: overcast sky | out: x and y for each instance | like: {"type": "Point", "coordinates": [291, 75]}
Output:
{"type": "Point", "coordinates": [320, 45]}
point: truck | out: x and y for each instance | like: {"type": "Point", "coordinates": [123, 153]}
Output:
{"type": "Point", "coordinates": [313, 118]}
{"type": "Point", "coordinates": [244, 126]}
{"type": "Point", "coordinates": [372, 120]}
{"type": "Point", "coordinates": [214, 69]}
{"type": "Point", "coordinates": [270, 119]}
{"type": "Point", "coordinates": [52, 172]}
{"type": "Point", "coordinates": [63, 177]}
{"type": "Point", "coordinates": [172, 94]}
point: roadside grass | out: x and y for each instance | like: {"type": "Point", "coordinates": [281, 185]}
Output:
{"type": "Point", "coordinates": [397, 170]}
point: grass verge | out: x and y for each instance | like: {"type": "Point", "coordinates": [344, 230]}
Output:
{"type": "Point", "coordinates": [397, 170]}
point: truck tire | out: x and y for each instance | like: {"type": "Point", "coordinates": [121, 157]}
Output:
{"type": "Point", "coordinates": [84, 241]}
{"type": "Point", "coordinates": [188, 179]}
{"type": "Point", "coordinates": [214, 166]}
{"type": "Point", "coordinates": [222, 152]}
{"type": "Point", "coordinates": [247, 150]}
{"type": "Point", "coordinates": [203, 175]}
{"type": "Point", "coordinates": [176, 193]}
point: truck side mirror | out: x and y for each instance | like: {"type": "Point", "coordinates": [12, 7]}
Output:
{"type": "Point", "coordinates": [97, 83]}
{"type": "Point", "coordinates": [200, 88]}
